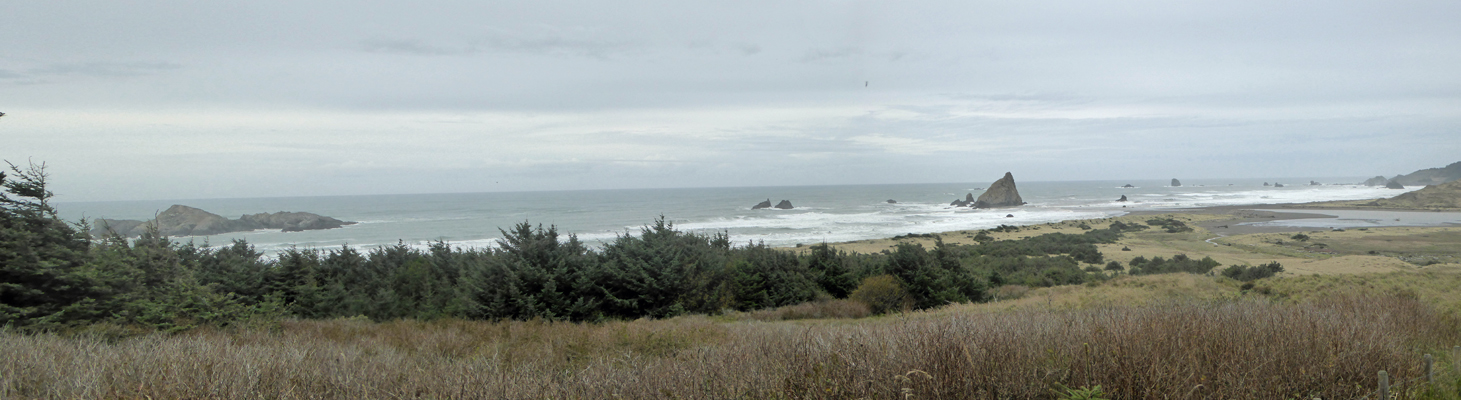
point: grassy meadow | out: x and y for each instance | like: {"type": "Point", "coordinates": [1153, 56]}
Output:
{"type": "Point", "coordinates": [1245, 348]}
{"type": "Point", "coordinates": [1323, 329]}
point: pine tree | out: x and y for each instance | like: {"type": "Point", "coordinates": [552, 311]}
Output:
{"type": "Point", "coordinates": [41, 256]}
{"type": "Point", "coordinates": [829, 266]}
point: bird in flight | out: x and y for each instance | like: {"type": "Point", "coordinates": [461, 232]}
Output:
{"type": "Point", "coordinates": [2, 114]}
{"type": "Point", "coordinates": [864, 83]}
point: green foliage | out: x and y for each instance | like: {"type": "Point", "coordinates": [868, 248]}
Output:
{"type": "Point", "coordinates": [43, 281]}
{"type": "Point", "coordinates": [882, 294]}
{"type": "Point", "coordinates": [1300, 237]}
{"type": "Point", "coordinates": [1114, 266]}
{"type": "Point", "coordinates": [832, 270]}
{"type": "Point", "coordinates": [662, 273]}
{"type": "Point", "coordinates": [933, 278]}
{"type": "Point", "coordinates": [1178, 263]}
{"type": "Point", "coordinates": [534, 275]}
{"type": "Point", "coordinates": [54, 275]}
{"type": "Point", "coordinates": [1248, 274]}
{"type": "Point", "coordinates": [1171, 225]}
{"type": "Point", "coordinates": [1119, 226]}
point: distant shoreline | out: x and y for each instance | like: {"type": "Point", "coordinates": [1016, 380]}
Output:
{"type": "Point", "coordinates": [1233, 224]}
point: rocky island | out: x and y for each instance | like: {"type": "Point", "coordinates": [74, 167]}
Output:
{"type": "Point", "coordinates": [181, 220]}
{"type": "Point", "coordinates": [1001, 193]}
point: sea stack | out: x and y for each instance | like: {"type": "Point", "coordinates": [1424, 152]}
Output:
{"type": "Point", "coordinates": [1123, 198]}
{"type": "Point", "coordinates": [1001, 193]}
{"type": "Point", "coordinates": [1394, 184]}
{"type": "Point", "coordinates": [1128, 186]}
{"type": "Point", "coordinates": [891, 201]}
{"type": "Point", "coordinates": [764, 204]}
{"type": "Point", "coordinates": [1176, 183]}
{"type": "Point", "coordinates": [1376, 181]}
{"type": "Point", "coordinates": [1266, 184]}
{"type": "Point", "coordinates": [783, 205]}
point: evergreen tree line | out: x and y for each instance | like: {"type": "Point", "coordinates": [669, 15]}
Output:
{"type": "Point", "coordinates": [52, 274]}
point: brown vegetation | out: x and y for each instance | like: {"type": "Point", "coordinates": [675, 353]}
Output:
{"type": "Point", "coordinates": [1330, 348]}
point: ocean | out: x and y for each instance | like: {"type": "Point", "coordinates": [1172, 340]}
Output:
{"type": "Point", "coordinates": [822, 213]}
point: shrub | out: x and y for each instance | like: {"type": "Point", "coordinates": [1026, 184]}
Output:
{"type": "Point", "coordinates": [1178, 263]}
{"type": "Point", "coordinates": [883, 293]}
{"type": "Point", "coordinates": [1170, 224]}
{"type": "Point", "coordinates": [1248, 274]}
{"type": "Point", "coordinates": [1300, 237]}
{"type": "Point", "coordinates": [1114, 266]}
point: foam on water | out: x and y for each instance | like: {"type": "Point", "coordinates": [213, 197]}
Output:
{"type": "Point", "coordinates": [823, 213]}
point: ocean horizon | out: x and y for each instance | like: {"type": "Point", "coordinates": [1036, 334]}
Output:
{"type": "Point", "coordinates": [831, 213]}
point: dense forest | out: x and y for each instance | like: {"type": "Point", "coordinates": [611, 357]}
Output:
{"type": "Point", "coordinates": [54, 275]}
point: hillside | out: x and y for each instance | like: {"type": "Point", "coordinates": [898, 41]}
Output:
{"type": "Point", "coordinates": [1431, 176]}
{"type": "Point", "coordinates": [1442, 196]}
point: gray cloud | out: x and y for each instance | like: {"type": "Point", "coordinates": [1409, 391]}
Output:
{"type": "Point", "coordinates": [107, 69]}
{"type": "Point", "coordinates": [405, 46]}
{"type": "Point", "coordinates": [341, 96]}
{"type": "Point", "coordinates": [822, 54]}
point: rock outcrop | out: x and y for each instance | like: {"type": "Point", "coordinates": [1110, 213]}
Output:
{"type": "Point", "coordinates": [1176, 183]}
{"type": "Point", "coordinates": [1376, 181]}
{"type": "Point", "coordinates": [1123, 198]}
{"type": "Point", "coordinates": [1394, 184]}
{"type": "Point", "coordinates": [1313, 183]}
{"type": "Point", "coordinates": [292, 221]}
{"type": "Point", "coordinates": [1128, 186]}
{"type": "Point", "coordinates": [764, 204]}
{"type": "Point", "coordinates": [959, 203]}
{"type": "Point", "coordinates": [968, 197]}
{"type": "Point", "coordinates": [1266, 184]}
{"type": "Point", "coordinates": [1002, 193]}
{"type": "Point", "coordinates": [784, 205]}
{"type": "Point", "coordinates": [1276, 184]}
{"type": "Point", "coordinates": [891, 201]}
{"type": "Point", "coordinates": [181, 220]}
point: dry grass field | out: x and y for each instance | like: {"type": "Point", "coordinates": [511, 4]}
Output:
{"type": "Point", "coordinates": [1323, 329]}
{"type": "Point", "coordinates": [1173, 349]}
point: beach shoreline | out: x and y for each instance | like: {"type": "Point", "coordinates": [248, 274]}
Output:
{"type": "Point", "coordinates": [1216, 221]}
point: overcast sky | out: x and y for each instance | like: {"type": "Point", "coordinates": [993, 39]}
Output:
{"type": "Point", "coordinates": [189, 99]}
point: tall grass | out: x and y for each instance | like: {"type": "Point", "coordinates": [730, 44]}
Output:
{"type": "Point", "coordinates": [1181, 350]}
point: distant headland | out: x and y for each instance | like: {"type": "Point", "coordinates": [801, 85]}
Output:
{"type": "Point", "coordinates": [181, 220]}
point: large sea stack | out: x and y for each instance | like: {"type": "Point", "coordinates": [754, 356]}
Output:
{"type": "Point", "coordinates": [1001, 193]}
{"type": "Point", "coordinates": [1123, 198]}
{"type": "Point", "coordinates": [764, 204]}
{"type": "Point", "coordinates": [1376, 181]}
{"type": "Point", "coordinates": [1394, 184]}
{"type": "Point", "coordinates": [1176, 183]}
{"type": "Point", "coordinates": [784, 205]}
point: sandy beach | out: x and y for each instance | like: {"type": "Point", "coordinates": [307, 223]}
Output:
{"type": "Point", "coordinates": [1226, 234]}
